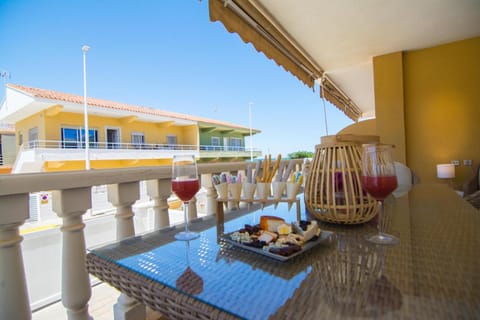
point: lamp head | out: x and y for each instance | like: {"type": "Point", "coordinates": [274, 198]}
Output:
{"type": "Point", "coordinates": [446, 171]}
{"type": "Point", "coordinates": [85, 48]}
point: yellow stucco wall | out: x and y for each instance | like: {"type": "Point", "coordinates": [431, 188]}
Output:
{"type": "Point", "coordinates": [190, 135]}
{"type": "Point", "coordinates": [388, 86]}
{"type": "Point", "coordinates": [441, 93]}
{"type": "Point", "coordinates": [51, 166]}
{"type": "Point", "coordinates": [153, 133]}
{"type": "Point", "coordinates": [365, 127]}
{"type": "Point", "coordinates": [22, 127]}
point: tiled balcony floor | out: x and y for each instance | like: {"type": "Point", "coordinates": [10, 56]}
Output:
{"type": "Point", "coordinates": [100, 308]}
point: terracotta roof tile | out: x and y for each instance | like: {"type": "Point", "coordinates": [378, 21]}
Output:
{"type": "Point", "coordinates": [107, 104]}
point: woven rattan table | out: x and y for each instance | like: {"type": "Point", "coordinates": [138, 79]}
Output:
{"type": "Point", "coordinates": [433, 274]}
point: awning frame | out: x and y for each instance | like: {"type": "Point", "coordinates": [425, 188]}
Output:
{"type": "Point", "coordinates": [254, 25]}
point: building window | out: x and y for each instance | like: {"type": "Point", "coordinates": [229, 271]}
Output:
{"type": "Point", "coordinates": [75, 138]}
{"type": "Point", "coordinates": [171, 141]}
{"type": "Point", "coordinates": [138, 140]}
{"type": "Point", "coordinates": [235, 144]}
{"type": "Point", "coordinates": [215, 143]}
{"type": "Point", "coordinates": [20, 138]}
{"type": "Point", "coordinates": [33, 137]}
{"type": "Point", "coordinates": [113, 138]}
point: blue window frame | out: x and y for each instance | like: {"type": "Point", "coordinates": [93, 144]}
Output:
{"type": "Point", "coordinates": [75, 138]}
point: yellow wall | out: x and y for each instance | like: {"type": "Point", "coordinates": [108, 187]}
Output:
{"type": "Point", "coordinates": [51, 166]}
{"type": "Point", "coordinates": [441, 94]}
{"type": "Point", "coordinates": [365, 127]}
{"type": "Point", "coordinates": [22, 127]}
{"type": "Point", "coordinates": [388, 86]}
{"type": "Point", "coordinates": [153, 133]}
{"type": "Point", "coordinates": [190, 135]}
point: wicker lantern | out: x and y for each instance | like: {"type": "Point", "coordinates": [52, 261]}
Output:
{"type": "Point", "coordinates": [333, 191]}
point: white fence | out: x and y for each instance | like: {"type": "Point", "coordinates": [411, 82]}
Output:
{"type": "Point", "coordinates": [71, 200]}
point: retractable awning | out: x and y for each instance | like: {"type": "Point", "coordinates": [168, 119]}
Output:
{"type": "Point", "coordinates": [253, 25]}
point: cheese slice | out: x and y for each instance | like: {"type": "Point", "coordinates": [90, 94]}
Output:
{"type": "Point", "coordinates": [270, 223]}
{"type": "Point", "coordinates": [312, 230]}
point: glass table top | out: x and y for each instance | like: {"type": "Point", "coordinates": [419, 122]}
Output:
{"type": "Point", "coordinates": [434, 272]}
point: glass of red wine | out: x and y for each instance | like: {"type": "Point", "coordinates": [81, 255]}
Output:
{"type": "Point", "coordinates": [185, 185]}
{"type": "Point", "coordinates": [379, 180]}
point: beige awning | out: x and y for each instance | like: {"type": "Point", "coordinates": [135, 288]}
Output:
{"type": "Point", "coordinates": [254, 26]}
{"type": "Point", "coordinates": [330, 92]}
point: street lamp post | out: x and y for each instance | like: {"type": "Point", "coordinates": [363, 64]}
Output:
{"type": "Point", "coordinates": [85, 111]}
{"type": "Point", "coordinates": [250, 121]}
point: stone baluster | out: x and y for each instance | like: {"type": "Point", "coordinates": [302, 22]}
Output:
{"type": "Point", "coordinates": [14, 303]}
{"type": "Point", "coordinates": [123, 196]}
{"type": "Point", "coordinates": [211, 194]}
{"type": "Point", "coordinates": [192, 209]}
{"type": "Point", "coordinates": [70, 205]}
{"type": "Point", "coordinates": [159, 191]}
{"type": "Point", "coordinates": [242, 204]}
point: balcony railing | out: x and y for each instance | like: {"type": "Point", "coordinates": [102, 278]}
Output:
{"type": "Point", "coordinates": [71, 198]}
{"type": "Point", "coordinates": [6, 159]}
{"type": "Point", "coordinates": [56, 144]}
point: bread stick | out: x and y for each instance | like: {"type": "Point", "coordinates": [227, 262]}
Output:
{"type": "Point", "coordinates": [275, 168]}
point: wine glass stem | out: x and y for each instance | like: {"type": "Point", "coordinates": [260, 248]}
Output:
{"type": "Point", "coordinates": [185, 215]}
{"type": "Point", "coordinates": [380, 214]}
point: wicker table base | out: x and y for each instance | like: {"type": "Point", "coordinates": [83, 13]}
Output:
{"type": "Point", "coordinates": [163, 299]}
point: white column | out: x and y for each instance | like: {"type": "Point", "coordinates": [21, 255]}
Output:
{"type": "Point", "coordinates": [211, 194]}
{"type": "Point", "coordinates": [70, 205]}
{"type": "Point", "coordinates": [159, 191]}
{"type": "Point", "coordinates": [192, 208]}
{"type": "Point", "coordinates": [123, 196]}
{"type": "Point", "coordinates": [243, 204]}
{"type": "Point", "coordinates": [14, 303]}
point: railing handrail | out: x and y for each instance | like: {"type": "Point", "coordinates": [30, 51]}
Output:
{"type": "Point", "coordinates": [36, 182]}
{"type": "Point", "coordinates": [59, 144]}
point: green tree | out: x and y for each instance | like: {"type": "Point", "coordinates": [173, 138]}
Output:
{"type": "Point", "coordinates": [300, 155]}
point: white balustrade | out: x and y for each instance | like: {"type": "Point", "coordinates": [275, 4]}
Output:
{"type": "Point", "coordinates": [192, 208]}
{"type": "Point", "coordinates": [70, 205]}
{"type": "Point", "coordinates": [71, 199]}
{"type": "Point", "coordinates": [206, 180]}
{"type": "Point", "coordinates": [14, 303]}
{"type": "Point", "coordinates": [123, 196]}
{"type": "Point", "coordinates": [159, 191]}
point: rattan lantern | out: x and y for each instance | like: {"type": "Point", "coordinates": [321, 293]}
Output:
{"type": "Point", "coordinates": [333, 191]}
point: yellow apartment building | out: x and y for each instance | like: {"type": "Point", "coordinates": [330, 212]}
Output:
{"type": "Point", "coordinates": [50, 134]}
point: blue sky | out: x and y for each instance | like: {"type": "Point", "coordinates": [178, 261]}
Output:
{"type": "Point", "coordinates": [161, 54]}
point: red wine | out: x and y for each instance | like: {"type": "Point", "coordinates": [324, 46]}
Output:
{"type": "Point", "coordinates": [185, 189]}
{"type": "Point", "coordinates": [379, 187]}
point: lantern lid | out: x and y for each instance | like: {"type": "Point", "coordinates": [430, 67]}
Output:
{"type": "Point", "coordinates": [349, 138]}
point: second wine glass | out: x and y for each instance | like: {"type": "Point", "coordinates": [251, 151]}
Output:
{"type": "Point", "coordinates": [379, 180]}
{"type": "Point", "coordinates": [185, 185]}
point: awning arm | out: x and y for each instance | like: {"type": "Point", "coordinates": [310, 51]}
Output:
{"type": "Point", "coordinates": [243, 18]}
{"type": "Point", "coordinates": [331, 92]}
{"type": "Point", "coordinates": [254, 25]}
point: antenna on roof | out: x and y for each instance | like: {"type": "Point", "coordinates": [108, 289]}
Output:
{"type": "Point", "coordinates": [5, 75]}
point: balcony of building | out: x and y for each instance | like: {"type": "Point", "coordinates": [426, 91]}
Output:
{"type": "Point", "coordinates": [37, 155]}
{"type": "Point", "coordinates": [31, 282]}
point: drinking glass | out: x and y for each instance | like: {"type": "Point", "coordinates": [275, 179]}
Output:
{"type": "Point", "coordinates": [379, 180]}
{"type": "Point", "coordinates": [185, 185]}
{"type": "Point", "coordinates": [189, 281]}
